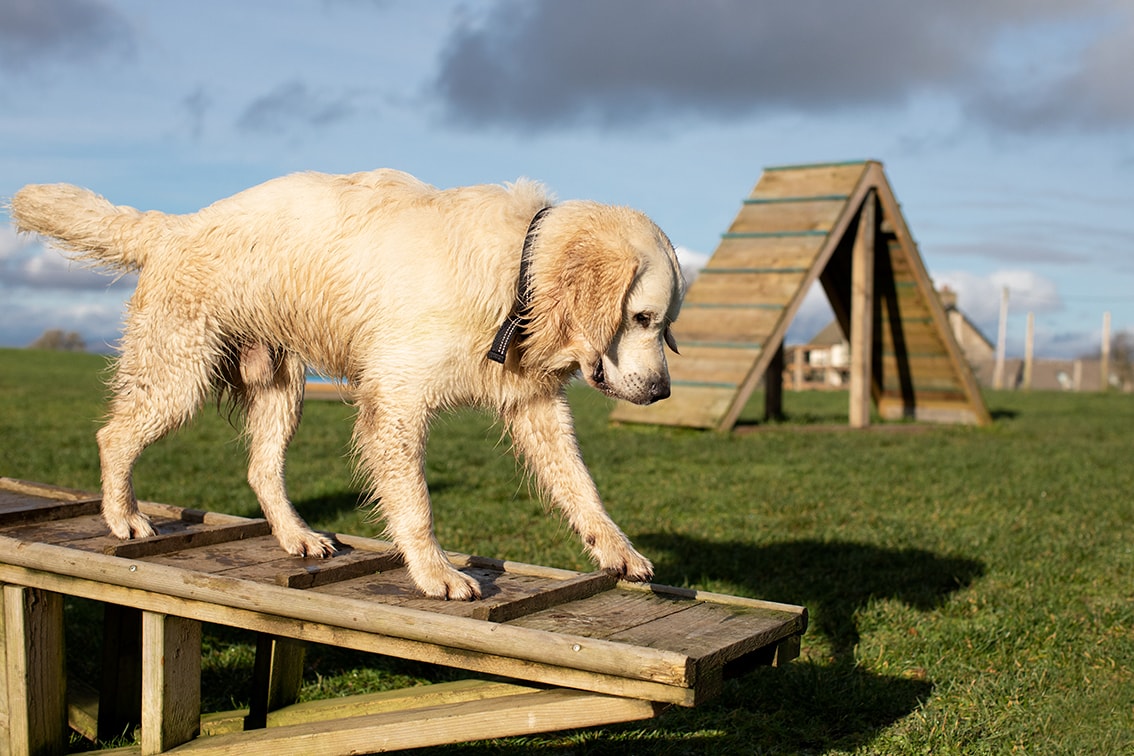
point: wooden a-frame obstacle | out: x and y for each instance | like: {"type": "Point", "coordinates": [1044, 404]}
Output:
{"type": "Point", "coordinates": [840, 224]}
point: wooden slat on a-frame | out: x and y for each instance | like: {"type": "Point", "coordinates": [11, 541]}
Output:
{"type": "Point", "coordinates": [839, 224]}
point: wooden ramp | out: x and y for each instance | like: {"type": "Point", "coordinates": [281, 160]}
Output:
{"type": "Point", "coordinates": [582, 649]}
{"type": "Point", "coordinates": [841, 225]}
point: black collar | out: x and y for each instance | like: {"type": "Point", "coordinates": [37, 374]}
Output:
{"type": "Point", "coordinates": [513, 325]}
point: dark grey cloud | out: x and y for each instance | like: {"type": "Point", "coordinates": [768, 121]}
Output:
{"type": "Point", "coordinates": [544, 64]}
{"type": "Point", "coordinates": [293, 104]}
{"type": "Point", "coordinates": [32, 31]}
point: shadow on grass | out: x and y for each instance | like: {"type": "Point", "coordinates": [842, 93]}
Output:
{"type": "Point", "coordinates": [833, 579]}
{"type": "Point", "coordinates": [800, 708]}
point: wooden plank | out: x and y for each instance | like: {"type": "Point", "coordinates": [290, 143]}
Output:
{"type": "Point", "coordinates": [19, 508]}
{"type": "Point", "coordinates": [747, 288]}
{"type": "Point", "coordinates": [512, 715]}
{"type": "Point", "coordinates": [862, 315]}
{"type": "Point", "coordinates": [724, 322]}
{"type": "Point", "coordinates": [276, 677]}
{"type": "Point", "coordinates": [582, 586]}
{"type": "Point", "coordinates": [807, 215]}
{"type": "Point", "coordinates": [120, 688]}
{"type": "Point", "coordinates": [47, 491]}
{"type": "Point", "coordinates": [171, 681]}
{"type": "Point", "coordinates": [808, 180]}
{"type": "Point", "coordinates": [688, 406]}
{"type": "Point", "coordinates": [61, 531]}
{"type": "Point", "coordinates": [604, 615]}
{"type": "Point", "coordinates": [715, 366]}
{"type": "Point", "coordinates": [765, 252]}
{"type": "Point", "coordinates": [260, 559]}
{"type": "Point", "coordinates": [189, 537]}
{"type": "Point", "coordinates": [35, 694]}
{"type": "Point", "coordinates": [330, 709]}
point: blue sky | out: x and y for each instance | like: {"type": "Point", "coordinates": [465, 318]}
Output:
{"type": "Point", "coordinates": [1006, 127]}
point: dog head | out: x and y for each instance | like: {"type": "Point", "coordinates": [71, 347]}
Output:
{"type": "Point", "coordinates": [606, 288]}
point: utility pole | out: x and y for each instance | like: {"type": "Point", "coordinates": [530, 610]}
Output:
{"type": "Point", "coordinates": [1104, 363]}
{"type": "Point", "coordinates": [1001, 336]}
{"type": "Point", "coordinates": [1029, 351]}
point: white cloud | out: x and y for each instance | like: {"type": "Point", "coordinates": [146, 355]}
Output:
{"type": "Point", "coordinates": [979, 296]}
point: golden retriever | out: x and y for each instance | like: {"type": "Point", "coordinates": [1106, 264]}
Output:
{"type": "Point", "coordinates": [399, 288]}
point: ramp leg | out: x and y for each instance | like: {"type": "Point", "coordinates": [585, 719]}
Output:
{"type": "Point", "coordinates": [276, 678]}
{"type": "Point", "coordinates": [33, 697]}
{"type": "Point", "coordinates": [120, 693]}
{"type": "Point", "coordinates": [171, 681]}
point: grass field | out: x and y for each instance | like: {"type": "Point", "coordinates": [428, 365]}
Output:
{"type": "Point", "coordinates": [971, 590]}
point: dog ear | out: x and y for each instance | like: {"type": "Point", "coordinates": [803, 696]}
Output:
{"type": "Point", "coordinates": [669, 340]}
{"type": "Point", "coordinates": [581, 300]}
{"type": "Point", "coordinates": [596, 282]}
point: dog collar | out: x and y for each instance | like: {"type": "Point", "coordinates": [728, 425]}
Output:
{"type": "Point", "coordinates": [513, 325]}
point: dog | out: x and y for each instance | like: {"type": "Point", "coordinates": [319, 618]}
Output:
{"type": "Point", "coordinates": [402, 290]}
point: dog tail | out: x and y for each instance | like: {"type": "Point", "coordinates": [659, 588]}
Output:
{"type": "Point", "coordinates": [86, 224]}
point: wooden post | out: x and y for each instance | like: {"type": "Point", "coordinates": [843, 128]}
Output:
{"type": "Point", "coordinates": [1001, 337]}
{"type": "Point", "coordinates": [1104, 363]}
{"type": "Point", "coordinates": [276, 678]}
{"type": "Point", "coordinates": [171, 681]}
{"type": "Point", "coordinates": [1029, 351]}
{"type": "Point", "coordinates": [862, 314]}
{"type": "Point", "coordinates": [774, 386]}
{"type": "Point", "coordinates": [120, 693]}
{"type": "Point", "coordinates": [797, 368]}
{"type": "Point", "coordinates": [34, 694]}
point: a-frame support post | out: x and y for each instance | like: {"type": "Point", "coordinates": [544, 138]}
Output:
{"type": "Point", "coordinates": [774, 386]}
{"type": "Point", "coordinates": [862, 314]}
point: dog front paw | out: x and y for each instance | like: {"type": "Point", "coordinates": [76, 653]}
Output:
{"type": "Point", "coordinates": [631, 566]}
{"type": "Point", "coordinates": [446, 582]}
{"type": "Point", "coordinates": [128, 527]}
{"type": "Point", "coordinates": [306, 543]}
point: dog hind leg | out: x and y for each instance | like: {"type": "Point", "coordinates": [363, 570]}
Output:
{"type": "Point", "coordinates": [160, 382]}
{"type": "Point", "coordinates": [274, 406]}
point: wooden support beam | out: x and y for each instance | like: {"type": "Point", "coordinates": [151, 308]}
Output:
{"type": "Point", "coordinates": [171, 681]}
{"type": "Point", "coordinates": [774, 386]}
{"type": "Point", "coordinates": [276, 678]}
{"type": "Point", "coordinates": [33, 697]}
{"type": "Point", "coordinates": [862, 313]}
{"type": "Point", "coordinates": [120, 692]}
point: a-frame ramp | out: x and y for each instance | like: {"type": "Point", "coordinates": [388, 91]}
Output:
{"type": "Point", "coordinates": [840, 224]}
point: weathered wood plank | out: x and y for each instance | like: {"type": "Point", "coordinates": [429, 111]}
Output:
{"type": "Point", "coordinates": [718, 366]}
{"type": "Point", "coordinates": [747, 288]}
{"type": "Point", "coordinates": [35, 695]}
{"type": "Point", "coordinates": [187, 537]}
{"type": "Point", "coordinates": [766, 252]}
{"type": "Point", "coordinates": [276, 677]}
{"type": "Point", "coordinates": [724, 322]}
{"type": "Point", "coordinates": [330, 709]}
{"type": "Point", "coordinates": [808, 180]}
{"type": "Point", "coordinates": [552, 594]}
{"type": "Point", "coordinates": [19, 508]}
{"type": "Point", "coordinates": [171, 681]}
{"type": "Point", "coordinates": [688, 406]}
{"type": "Point", "coordinates": [511, 715]}
{"type": "Point", "coordinates": [805, 215]}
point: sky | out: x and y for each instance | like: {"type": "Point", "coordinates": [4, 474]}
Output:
{"type": "Point", "coordinates": [1006, 127]}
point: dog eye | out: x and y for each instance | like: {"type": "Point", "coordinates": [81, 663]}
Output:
{"type": "Point", "coordinates": [643, 319]}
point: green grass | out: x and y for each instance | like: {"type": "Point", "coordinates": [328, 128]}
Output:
{"type": "Point", "coordinates": [971, 590]}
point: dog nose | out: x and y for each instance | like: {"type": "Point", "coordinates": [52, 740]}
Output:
{"type": "Point", "coordinates": [659, 389]}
